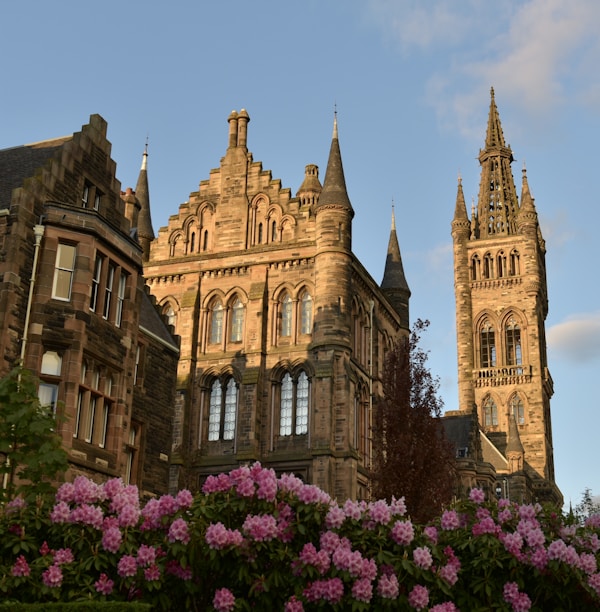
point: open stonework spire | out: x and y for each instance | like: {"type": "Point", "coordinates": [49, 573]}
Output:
{"type": "Point", "coordinates": [498, 205]}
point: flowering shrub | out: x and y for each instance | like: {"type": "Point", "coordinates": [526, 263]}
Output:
{"type": "Point", "coordinates": [254, 541]}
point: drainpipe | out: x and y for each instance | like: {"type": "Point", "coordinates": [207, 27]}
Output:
{"type": "Point", "coordinates": [371, 306]}
{"type": "Point", "coordinates": [38, 231]}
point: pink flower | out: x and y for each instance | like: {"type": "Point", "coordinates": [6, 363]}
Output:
{"type": "Point", "coordinates": [267, 485]}
{"type": "Point", "coordinates": [331, 590]}
{"type": "Point", "coordinates": [353, 509]}
{"type": "Point", "coordinates": [431, 533]}
{"type": "Point", "coordinates": [477, 496]}
{"type": "Point", "coordinates": [224, 600]}
{"type": "Point", "coordinates": [422, 557]}
{"type": "Point", "coordinates": [104, 585]}
{"type": "Point", "coordinates": [88, 515]}
{"type": "Point", "coordinates": [594, 582]}
{"type": "Point", "coordinates": [167, 505]}
{"type": "Point", "coordinates": [311, 494]}
{"type": "Point", "coordinates": [293, 605]}
{"type": "Point", "coordinates": [178, 531]}
{"type": "Point", "coordinates": [418, 598]}
{"type": "Point", "coordinates": [245, 488]}
{"type": "Point", "coordinates": [152, 573]}
{"type": "Point", "coordinates": [53, 576]}
{"type": "Point", "coordinates": [184, 499]}
{"type": "Point", "coordinates": [450, 520]}
{"type": "Point", "coordinates": [112, 539]}
{"type": "Point", "coordinates": [362, 590]}
{"type": "Point", "coordinates": [85, 491]}
{"type": "Point", "coordinates": [520, 602]}
{"type": "Point", "coordinates": [261, 527]}
{"type": "Point", "coordinates": [449, 573]}
{"type": "Point", "coordinates": [335, 517]}
{"type": "Point", "coordinates": [447, 606]}
{"type": "Point", "coordinates": [217, 484]}
{"type": "Point", "coordinates": [129, 515]}
{"type": "Point", "coordinates": [61, 513]}
{"type": "Point", "coordinates": [379, 512]}
{"type": "Point", "coordinates": [398, 507]}
{"type": "Point", "coordinates": [21, 567]}
{"type": "Point", "coordinates": [290, 483]}
{"type": "Point", "coordinates": [403, 532]}
{"type": "Point", "coordinates": [587, 563]}
{"type": "Point", "coordinates": [62, 556]}
{"type": "Point", "coordinates": [218, 536]}
{"type": "Point", "coordinates": [146, 555]}
{"type": "Point", "coordinates": [127, 566]}
{"type": "Point", "coordinates": [388, 587]}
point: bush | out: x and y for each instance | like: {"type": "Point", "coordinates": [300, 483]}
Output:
{"type": "Point", "coordinates": [252, 541]}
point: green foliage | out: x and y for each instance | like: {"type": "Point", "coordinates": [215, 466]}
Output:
{"type": "Point", "coordinates": [80, 606]}
{"type": "Point", "coordinates": [31, 453]}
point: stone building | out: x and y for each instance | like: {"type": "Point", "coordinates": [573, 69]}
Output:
{"type": "Point", "coordinates": [74, 308]}
{"type": "Point", "coordinates": [501, 308]}
{"type": "Point", "coordinates": [283, 331]}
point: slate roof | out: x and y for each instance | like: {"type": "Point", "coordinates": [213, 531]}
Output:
{"type": "Point", "coordinates": [152, 322]}
{"type": "Point", "coordinates": [20, 163]}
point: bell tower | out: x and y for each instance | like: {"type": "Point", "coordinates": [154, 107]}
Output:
{"type": "Point", "coordinates": [501, 308]}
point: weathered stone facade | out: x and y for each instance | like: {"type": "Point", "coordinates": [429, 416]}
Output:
{"type": "Point", "coordinates": [74, 309]}
{"type": "Point", "coordinates": [283, 332]}
{"type": "Point", "coordinates": [501, 307]}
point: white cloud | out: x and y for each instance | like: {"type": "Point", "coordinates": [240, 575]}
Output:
{"type": "Point", "coordinates": [577, 339]}
{"type": "Point", "coordinates": [540, 54]}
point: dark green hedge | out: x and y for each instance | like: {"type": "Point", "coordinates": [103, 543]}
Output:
{"type": "Point", "coordinates": [77, 606]}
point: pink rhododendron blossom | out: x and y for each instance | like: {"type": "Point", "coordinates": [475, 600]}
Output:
{"type": "Point", "coordinates": [146, 555]}
{"type": "Point", "coordinates": [477, 496]}
{"type": "Point", "coordinates": [329, 541]}
{"type": "Point", "coordinates": [267, 485]}
{"type": "Point", "coordinates": [53, 576]}
{"type": "Point", "coordinates": [447, 606]}
{"type": "Point", "coordinates": [594, 582]}
{"type": "Point", "coordinates": [127, 566]}
{"type": "Point", "coordinates": [311, 494]}
{"type": "Point", "coordinates": [16, 504]}
{"type": "Point", "coordinates": [112, 539]}
{"type": "Point", "coordinates": [450, 520]}
{"type": "Point", "coordinates": [422, 557]}
{"type": "Point", "coordinates": [330, 590]}
{"type": "Point", "coordinates": [398, 507]}
{"type": "Point", "coordinates": [245, 488]}
{"type": "Point", "coordinates": [104, 585]}
{"type": "Point", "coordinates": [174, 568]}
{"type": "Point", "coordinates": [449, 573]}
{"type": "Point", "coordinates": [63, 555]}
{"type": "Point", "coordinates": [224, 600]}
{"type": "Point", "coordinates": [45, 549]}
{"type": "Point", "coordinates": [290, 483]}
{"type": "Point", "coordinates": [167, 505]}
{"type": "Point", "coordinates": [362, 590]}
{"type": "Point", "coordinates": [61, 513]}
{"type": "Point", "coordinates": [179, 531]}
{"type": "Point", "coordinates": [87, 514]}
{"type": "Point", "coordinates": [513, 542]}
{"type": "Point", "coordinates": [152, 573]}
{"type": "Point", "coordinates": [431, 533]}
{"type": "Point", "coordinates": [217, 484]}
{"type": "Point", "coordinates": [218, 536]}
{"type": "Point", "coordinates": [21, 567]}
{"type": "Point", "coordinates": [353, 509]}
{"type": "Point", "coordinates": [86, 491]}
{"type": "Point", "coordinates": [260, 527]}
{"type": "Point", "coordinates": [380, 512]}
{"type": "Point", "coordinates": [129, 515]}
{"type": "Point", "coordinates": [388, 587]}
{"type": "Point", "coordinates": [504, 515]}
{"type": "Point", "coordinates": [587, 563]}
{"type": "Point", "coordinates": [403, 532]}
{"type": "Point", "coordinates": [593, 521]}
{"type": "Point", "coordinates": [112, 487]}
{"type": "Point", "coordinates": [65, 493]}
{"type": "Point", "coordinates": [418, 598]}
{"type": "Point", "coordinates": [520, 602]}
{"type": "Point", "coordinates": [293, 605]}
{"type": "Point", "coordinates": [335, 517]}
{"type": "Point", "coordinates": [184, 499]}
{"type": "Point", "coordinates": [486, 525]}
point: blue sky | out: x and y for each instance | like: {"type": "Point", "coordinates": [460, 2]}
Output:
{"type": "Point", "coordinates": [411, 83]}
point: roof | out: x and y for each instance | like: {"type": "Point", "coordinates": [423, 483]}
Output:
{"type": "Point", "coordinates": [151, 322]}
{"type": "Point", "coordinates": [20, 163]}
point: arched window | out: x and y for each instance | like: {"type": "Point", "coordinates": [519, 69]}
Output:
{"type": "Point", "coordinates": [514, 268]}
{"type": "Point", "coordinates": [205, 240]}
{"type": "Point", "coordinates": [490, 412]}
{"type": "Point", "coordinates": [294, 402]}
{"type": "Point", "coordinates": [306, 313]}
{"type": "Point", "coordinates": [514, 355]}
{"type": "Point", "coordinates": [260, 233]}
{"type": "Point", "coordinates": [169, 313]}
{"type": "Point", "coordinates": [192, 242]}
{"type": "Point", "coordinates": [222, 410]}
{"type": "Point", "coordinates": [488, 266]}
{"type": "Point", "coordinates": [273, 231]}
{"type": "Point", "coordinates": [517, 409]}
{"type": "Point", "coordinates": [237, 321]}
{"type": "Point", "coordinates": [502, 265]}
{"type": "Point", "coordinates": [286, 316]}
{"type": "Point", "coordinates": [216, 323]}
{"type": "Point", "coordinates": [475, 268]}
{"type": "Point", "coordinates": [488, 345]}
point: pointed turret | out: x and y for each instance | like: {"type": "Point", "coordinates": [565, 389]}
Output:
{"type": "Point", "coordinates": [142, 193]}
{"type": "Point", "coordinates": [394, 283]}
{"type": "Point", "coordinates": [334, 193]}
{"type": "Point", "coordinates": [498, 206]}
{"type": "Point", "coordinates": [515, 453]}
{"type": "Point", "coordinates": [461, 227]}
{"type": "Point", "coordinates": [311, 187]}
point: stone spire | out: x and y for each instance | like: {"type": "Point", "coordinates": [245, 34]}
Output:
{"type": "Point", "coordinates": [334, 193]}
{"type": "Point", "coordinates": [142, 193]}
{"type": "Point", "coordinates": [460, 223]}
{"type": "Point", "coordinates": [515, 453]}
{"type": "Point", "coordinates": [394, 283]}
{"type": "Point", "coordinates": [498, 206]}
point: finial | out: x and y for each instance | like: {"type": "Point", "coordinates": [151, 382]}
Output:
{"type": "Point", "coordinates": [492, 92]}
{"type": "Point", "coordinates": [459, 178]}
{"type": "Point", "coordinates": [145, 155]}
{"type": "Point", "coordinates": [335, 128]}
{"type": "Point", "coordinates": [393, 217]}
{"type": "Point", "coordinates": [472, 206]}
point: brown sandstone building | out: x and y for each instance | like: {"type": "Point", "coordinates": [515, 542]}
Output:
{"type": "Point", "coordinates": [501, 308]}
{"type": "Point", "coordinates": [74, 308]}
{"type": "Point", "coordinates": [283, 331]}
